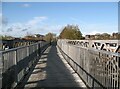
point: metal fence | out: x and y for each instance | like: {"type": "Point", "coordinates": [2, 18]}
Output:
{"type": "Point", "coordinates": [107, 45]}
{"type": "Point", "coordinates": [97, 68]}
{"type": "Point", "coordinates": [15, 63]}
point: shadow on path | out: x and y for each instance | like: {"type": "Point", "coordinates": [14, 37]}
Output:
{"type": "Point", "coordinates": [50, 71]}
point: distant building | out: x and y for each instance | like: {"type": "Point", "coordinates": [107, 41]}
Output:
{"type": "Point", "coordinates": [116, 35]}
{"type": "Point", "coordinates": [39, 36]}
{"type": "Point", "coordinates": [104, 36]}
{"type": "Point", "coordinates": [87, 37]}
{"type": "Point", "coordinates": [90, 37]}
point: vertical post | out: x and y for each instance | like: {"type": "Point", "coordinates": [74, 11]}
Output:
{"type": "Point", "coordinates": [92, 83]}
{"type": "Point", "coordinates": [1, 68]}
{"type": "Point", "coordinates": [26, 69]}
{"type": "Point", "coordinates": [16, 75]}
{"type": "Point", "coordinates": [39, 49]}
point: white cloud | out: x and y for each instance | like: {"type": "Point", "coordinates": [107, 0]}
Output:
{"type": "Point", "coordinates": [37, 25]}
{"type": "Point", "coordinates": [94, 32]}
{"type": "Point", "coordinates": [0, 23]}
{"type": "Point", "coordinates": [26, 5]}
{"type": "Point", "coordinates": [15, 29]}
{"type": "Point", "coordinates": [32, 26]}
{"type": "Point", "coordinates": [98, 28]}
{"type": "Point", "coordinates": [42, 29]}
{"type": "Point", "coordinates": [51, 28]}
{"type": "Point", "coordinates": [36, 20]}
{"type": "Point", "coordinates": [93, 28]}
{"type": "Point", "coordinates": [0, 14]}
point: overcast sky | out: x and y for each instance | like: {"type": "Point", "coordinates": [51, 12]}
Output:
{"type": "Point", "coordinates": [44, 17]}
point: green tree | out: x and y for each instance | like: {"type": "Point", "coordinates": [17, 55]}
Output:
{"type": "Point", "coordinates": [70, 32]}
{"type": "Point", "coordinates": [105, 36]}
{"type": "Point", "coordinates": [6, 37]}
{"type": "Point", "coordinates": [50, 37]}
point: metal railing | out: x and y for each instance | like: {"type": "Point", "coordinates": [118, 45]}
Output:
{"type": "Point", "coordinates": [108, 45]}
{"type": "Point", "coordinates": [97, 68]}
{"type": "Point", "coordinates": [16, 63]}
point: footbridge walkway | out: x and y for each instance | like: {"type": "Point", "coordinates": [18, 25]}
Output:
{"type": "Point", "coordinates": [61, 64]}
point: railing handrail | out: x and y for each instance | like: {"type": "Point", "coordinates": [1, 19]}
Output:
{"type": "Point", "coordinates": [14, 49]}
{"type": "Point", "coordinates": [84, 70]}
{"type": "Point", "coordinates": [94, 40]}
{"type": "Point", "coordinates": [101, 66]}
{"type": "Point", "coordinates": [17, 62]}
{"type": "Point", "coordinates": [101, 51]}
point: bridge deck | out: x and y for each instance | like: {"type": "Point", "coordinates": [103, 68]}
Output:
{"type": "Point", "coordinates": [52, 71]}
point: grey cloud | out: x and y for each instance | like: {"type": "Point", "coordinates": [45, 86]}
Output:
{"type": "Point", "coordinates": [9, 29]}
{"type": "Point", "coordinates": [25, 29]}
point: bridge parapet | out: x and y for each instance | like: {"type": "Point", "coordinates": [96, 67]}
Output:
{"type": "Point", "coordinates": [16, 63]}
{"type": "Point", "coordinates": [108, 45]}
{"type": "Point", "coordinates": [97, 68]}
{"type": "Point", "coordinates": [15, 43]}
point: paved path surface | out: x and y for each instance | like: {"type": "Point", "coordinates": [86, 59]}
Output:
{"type": "Point", "coordinates": [51, 71]}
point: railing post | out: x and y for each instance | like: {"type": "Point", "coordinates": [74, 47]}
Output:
{"type": "Point", "coordinates": [93, 84]}
{"type": "Point", "coordinates": [16, 75]}
{"type": "Point", "coordinates": [1, 69]}
{"type": "Point", "coordinates": [28, 53]}
{"type": "Point", "coordinates": [39, 49]}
